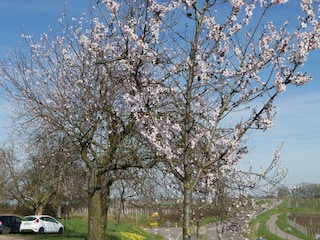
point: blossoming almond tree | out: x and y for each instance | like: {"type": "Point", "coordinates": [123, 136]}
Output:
{"type": "Point", "coordinates": [205, 74]}
{"type": "Point", "coordinates": [73, 85]}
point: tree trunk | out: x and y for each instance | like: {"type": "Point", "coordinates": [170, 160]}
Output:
{"type": "Point", "coordinates": [105, 201]}
{"type": "Point", "coordinates": [94, 207]}
{"type": "Point", "coordinates": [59, 211]}
{"type": "Point", "coordinates": [104, 225]}
{"type": "Point", "coordinates": [39, 210]}
{"type": "Point", "coordinates": [187, 205]}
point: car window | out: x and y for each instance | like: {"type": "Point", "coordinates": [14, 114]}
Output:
{"type": "Point", "coordinates": [27, 219]}
{"type": "Point", "coordinates": [15, 219]}
{"type": "Point", "coordinates": [49, 219]}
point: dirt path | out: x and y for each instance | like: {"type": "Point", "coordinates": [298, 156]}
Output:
{"type": "Point", "coordinates": [272, 226]}
{"type": "Point", "coordinates": [13, 237]}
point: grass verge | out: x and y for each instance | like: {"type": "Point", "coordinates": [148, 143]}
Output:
{"type": "Point", "coordinates": [258, 226]}
{"type": "Point", "coordinates": [76, 229]}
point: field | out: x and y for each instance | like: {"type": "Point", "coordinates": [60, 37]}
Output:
{"type": "Point", "coordinates": [304, 213]}
{"type": "Point", "coordinates": [306, 220]}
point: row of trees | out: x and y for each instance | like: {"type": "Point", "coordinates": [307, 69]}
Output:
{"type": "Point", "coordinates": [46, 175]}
{"type": "Point", "coordinates": [168, 87]}
{"type": "Point", "coordinates": [300, 190]}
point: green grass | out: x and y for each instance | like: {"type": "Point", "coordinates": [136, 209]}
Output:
{"type": "Point", "coordinates": [211, 219]}
{"type": "Point", "coordinates": [284, 226]}
{"type": "Point", "coordinates": [76, 229]}
{"type": "Point", "coordinates": [258, 226]}
{"type": "Point", "coordinates": [286, 208]}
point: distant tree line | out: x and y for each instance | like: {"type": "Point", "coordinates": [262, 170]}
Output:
{"type": "Point", "coordinates": [300, 190]}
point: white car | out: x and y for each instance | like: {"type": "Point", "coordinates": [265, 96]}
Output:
{"type": "Point", "coordinates": [41, 224]}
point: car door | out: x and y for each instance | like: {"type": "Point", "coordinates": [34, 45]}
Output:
{"type": "Point", "coordinates": [15, 223]}
{"type": "Point", "coordinates": [52, 223]}
{"type": "Point", "coordinates": [46, 224]}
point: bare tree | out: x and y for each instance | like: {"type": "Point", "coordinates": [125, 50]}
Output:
{"type": "Point", "coordinates": [60, 161]}
{"type": "Point", "coordinates": [44, 176]}
{"type": "Point", "coordinates": [27, 182]}
{"type": "Point", "coordinates": [4, 171]}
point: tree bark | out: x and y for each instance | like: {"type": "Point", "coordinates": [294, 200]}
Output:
{"type": "Point", "coordinates": [187, 211]}
{"type": "Point", "coordinates": [105, 201]}
{"type": "Point", "coordinates": [94, 207]}
{"type": "Point", "coordinates": [39, 210]}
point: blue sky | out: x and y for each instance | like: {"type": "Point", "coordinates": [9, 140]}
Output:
{"type": "Point", "coordinates": [35, 16]}
{"type": "Point", "coordinates": [32, 17]}
{"type": "Point", "coordinates": [296, 124]}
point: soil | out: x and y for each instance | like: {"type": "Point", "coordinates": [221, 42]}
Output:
{"type": "Point", "coordinates": [13, 237]}
{"type": "Point", "coordinates": [307, 221]}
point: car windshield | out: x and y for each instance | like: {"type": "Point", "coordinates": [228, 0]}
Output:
{"type": "Point", "coordinates": [27, 219]}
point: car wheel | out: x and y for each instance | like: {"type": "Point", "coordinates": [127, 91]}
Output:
{"type": "Point", "coordinates": [60, 230]}
{"type": "Point", "coordinates": [41, 230]}
{"type": "Point", "coordinates": [6, 230]}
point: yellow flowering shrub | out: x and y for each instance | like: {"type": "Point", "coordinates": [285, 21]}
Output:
{"type": "Point", "coordinates": [139, 231]}
{"type": "Point", "coordinates": [131, 236]}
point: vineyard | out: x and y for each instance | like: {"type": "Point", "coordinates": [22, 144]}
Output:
{"type": "Point", "coordinates": [305, 215]}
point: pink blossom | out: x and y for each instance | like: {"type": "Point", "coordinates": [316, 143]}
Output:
{"type": "Point", "coordinates": [279, 1]}
{"type": "Point", "coordinates": [278, 83]}
{"type": "Point", "coordinates": [237, 3]}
